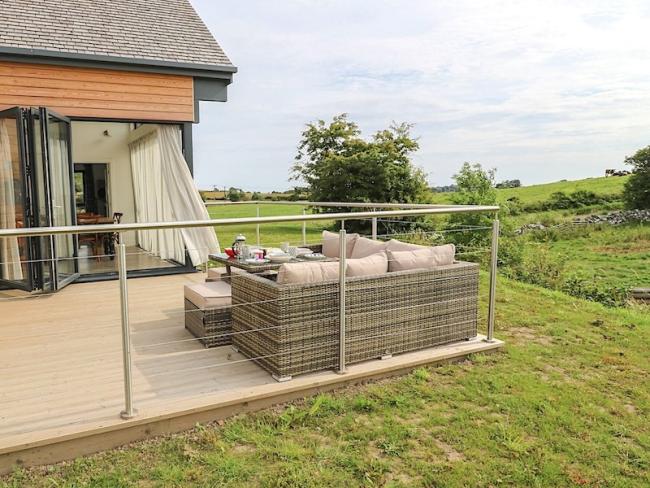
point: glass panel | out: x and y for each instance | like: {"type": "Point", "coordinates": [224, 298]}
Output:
{"type": "Point", "coordinates": [14, 252]}
{"type": "Point", "coordinates": [61, 194]}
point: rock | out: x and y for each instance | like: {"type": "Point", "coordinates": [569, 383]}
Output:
{"type": "Point", "coordinates": [616, 218]}
{"type": "Point", "coordinates": [613, 218]}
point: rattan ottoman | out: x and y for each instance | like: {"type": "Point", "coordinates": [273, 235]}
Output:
{"type": "Point", "coordinates": [208, 312]}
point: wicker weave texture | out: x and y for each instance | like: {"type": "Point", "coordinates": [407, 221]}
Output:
{"type": "Point", "coordinates": [212, 326]}
{"type": "Point", "coordinates": [294, 329]}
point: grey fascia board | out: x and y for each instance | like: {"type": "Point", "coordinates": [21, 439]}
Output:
{"type": "Point", "coordinates": [117, 62]}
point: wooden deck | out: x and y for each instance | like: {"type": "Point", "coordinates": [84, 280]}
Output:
{"type": "Point", "coordinates": [61, 386]}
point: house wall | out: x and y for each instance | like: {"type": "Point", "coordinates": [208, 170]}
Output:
{"type": "Point", "coordinates": [98, 93]}
{"type": "Point", "coordinates": [90, 145]}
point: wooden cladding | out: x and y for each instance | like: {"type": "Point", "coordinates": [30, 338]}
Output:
{"type": "Point", "coordinates": [97, 93]}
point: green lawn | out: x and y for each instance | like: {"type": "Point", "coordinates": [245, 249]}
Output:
{"type": "Point", "coordinates": [538, 193]}
{"type": "Point", "coordinates": [565, 404]}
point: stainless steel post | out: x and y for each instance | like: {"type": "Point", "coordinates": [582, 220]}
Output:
{"type": "Point", "coordinates": [493, 279]}
{"type": "Point", "coordinates": [374, 228]}
{"type": "Point", "coordinates": [342, 269]}
{"type": "Point", "coordinates": [304, 228]}
{"type": "Point", "coordinates": [129, 412]}
{"type": "Point", "coordinates": [257, 227]}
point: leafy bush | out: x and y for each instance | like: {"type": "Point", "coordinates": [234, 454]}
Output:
{"type": "Point", "coordinates": [563, 201]}
{"type": "Point", "coordinates": [475, 187]}
{"type": "Point", "coordinates": [539, 268]}
{"type": "Point", "coordinates": [582, 288]}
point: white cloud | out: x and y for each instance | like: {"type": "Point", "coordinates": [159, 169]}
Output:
{"type": "Point", "coordinates": [540, 90]}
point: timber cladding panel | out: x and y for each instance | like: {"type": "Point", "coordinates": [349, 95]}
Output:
{"type": "Point", "coordinates": [98, 93]}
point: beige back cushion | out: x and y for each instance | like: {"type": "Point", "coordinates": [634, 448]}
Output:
{"type": "Point", "coordinates": [331, 244]}
{"type": "Point", "coordinates": [425, 258]}
{"type": "Point", "coordinates": [307, 272]}
{"type": "Point", "coordinates": [365, 247]}
{"type": "Point", "coordinates": [370, 265]}
{"type": "Point", "coordinates": [395, 245]}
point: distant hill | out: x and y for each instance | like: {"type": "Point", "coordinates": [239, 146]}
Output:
{"type": "Point", "coordinates": [537, 193]}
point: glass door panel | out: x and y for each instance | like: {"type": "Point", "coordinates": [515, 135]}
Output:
{"type": "Point", "coordinates": [15, 253]}
{"type": "Point", "coordinates": [62, 208]}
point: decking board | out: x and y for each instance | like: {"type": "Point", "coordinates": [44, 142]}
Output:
{"type": "Point", "coordinates": [61, 387]}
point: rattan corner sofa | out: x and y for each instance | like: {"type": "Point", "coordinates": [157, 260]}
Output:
{"type": "Point", "coordinates": [291, 329]}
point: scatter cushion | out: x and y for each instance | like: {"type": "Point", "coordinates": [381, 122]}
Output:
{"type": "Point", "coordinates": [307, 272]}
{"type": "Point", "coordinates": [395, 245]}
{"type": "Point", "coordinates": [365, 247]}
{"type": "Point", "coordinates": [214, 294]}
{"type": "Point", "coordinates": [426, 258]}
{"type": "Point", "coordinates": [331, 244]}
{"type": "Point", "coordinates": [375, 264]}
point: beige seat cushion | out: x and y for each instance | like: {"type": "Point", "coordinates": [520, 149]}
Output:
{"type": "Point", "coordinates": [214, 294]}
{"type": "Point", "coordinates": [331, 244]}
{"type": "Point", "coordinates": [395, 245]}
{"type": "Point", "coordinates": [425, 258]}
{"type": "Point", "coordinates": [374, 264]}
{"type": "Point", "coordinates": [307, 272]}
{"type": "Point", "coordinates": [365, 247]}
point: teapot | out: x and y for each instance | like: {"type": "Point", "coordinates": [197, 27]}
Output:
{"type": "Point", "coordinates": [238, 245]}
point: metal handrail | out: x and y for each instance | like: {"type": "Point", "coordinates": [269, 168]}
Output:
{"type": "Point", "coordinates": [100, 228]}
{"type": "Point", "coordinates": [307, 203]}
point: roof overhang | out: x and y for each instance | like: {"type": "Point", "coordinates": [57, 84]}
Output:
{"type": "Point", "coordinates": [205, 71]}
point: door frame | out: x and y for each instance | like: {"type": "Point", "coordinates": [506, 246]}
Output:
{"type": "Point", "coordinates": [28, 282]}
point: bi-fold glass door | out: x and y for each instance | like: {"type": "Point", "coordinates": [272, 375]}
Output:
{"type": "Point", "coordinates": [36, 181]}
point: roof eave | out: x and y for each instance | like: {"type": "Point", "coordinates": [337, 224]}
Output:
{"type": "Point", "coordinates": [221, 71]}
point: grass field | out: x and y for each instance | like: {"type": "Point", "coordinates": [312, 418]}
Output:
{"type": "Point", "coordinates": [538, 193]}
{"type": "Point", "coordinates": [609, 256]}
{"type": "Point", "coordinates": [566, 404]}
{"type": "Point", "coordinates": [270, 235]}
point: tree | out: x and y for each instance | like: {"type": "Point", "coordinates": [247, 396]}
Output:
{"type": "Point", "coordinates": [637, 188]}
{"type": "Point", "coordinates": [475, 187]}
{"type": "Point", "coordinates": [509, 184]}
{"type": "Point", "coordinates": [339, 165]}
{"type": "Point", "coordinates": [235, 194]}
{"type": "Point", "coordinates": [256, 196]}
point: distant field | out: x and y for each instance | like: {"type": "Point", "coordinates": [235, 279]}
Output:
{"type": "Point", "coordinates": [538, 193]}
{"type": "Point", "coordinates": [270, 235]}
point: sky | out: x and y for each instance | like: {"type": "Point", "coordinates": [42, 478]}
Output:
{"type": "Point", "coordinates": [539, 90]}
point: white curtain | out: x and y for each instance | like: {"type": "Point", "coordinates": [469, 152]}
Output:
{"type": "Point", "coordinates": [10, 267]}
{"type": "Point", "coordinates": [164, 191]}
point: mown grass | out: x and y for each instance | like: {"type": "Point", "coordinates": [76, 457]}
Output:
{"type": "Point", "coordinates": [565, 404]}
{"type": "Point", "coordinates": [537, 193]}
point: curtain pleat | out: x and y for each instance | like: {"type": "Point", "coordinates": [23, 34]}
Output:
{"type": "Point", "coordinates": [165, 192]}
